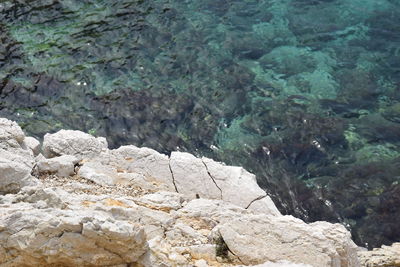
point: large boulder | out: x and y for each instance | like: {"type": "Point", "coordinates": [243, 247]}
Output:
{"type": "Point", "coordinates": [14, 173]}
{"type": "Point", "coordinates": [68, 238]}
{"type": "Point", "coordinates": [10, 132]}
{"type": "Point", "coordinates": [205, 178]}
{"type": "Point", "coordinates": [181, 172]}
{"type": "Point", "coordinates": [232, 180]}
{"type": "Point", "coordinates": [256, 238]}
{"type": "Point", "coordinates": [75, 143]}
{"type": "Point", "coordinates": [16, 159]}
{"type": "Point", "coordinates": [46, 227]}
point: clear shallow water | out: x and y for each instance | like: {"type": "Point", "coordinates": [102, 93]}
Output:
{"type": "Point", "coordinates": [304, 93]}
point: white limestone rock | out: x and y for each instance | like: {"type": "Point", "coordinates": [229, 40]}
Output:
{"type": "Point", "coordinates": [201, 263]}
{"type": "Point", "coordinates": [98, 173]}
{"type": "Point", "coordinates": [257, 238]}
{"type": "Point", "coordinates": [14, 174]}
{"type": "Point", "coordinates": [153, 165]}
{"type": "Point", "coordinates": [103, 224]}
{"type": "Point", "coordinates": [67, 238]}
{"type": "Point", "coordinates": [74, 230]}
{"type": "Point", "coordinates": [16, 160]}
{"type": "Point", "coordinates": [108, 173]}
{"type": "Point", "coordinates": [232, 180]}
{"type": "Point", "coordinates": [339, 235]}
{"type": "Point", "coordinates": [63, 166]}
{"type": "Point", "coordinates": [75, 143]}
{"type": "Point", "coordinates": [203, 252]}
{"type": "Point", "coordinates": [33, 144]}
{"type": "Point", "coordinates": [48, 196]}
{"type": "Point", "coordinates": [214, 210]}
{"type": "Point", "coordinates": [206, 178]}
{"type": "Point", "coordinates": [278, 264]}
{"type": "Point", "coordinates": [10, 130]}
{"type": "Point", "coordinates": [12, 140]}
{"type": "Point", "coordinates": [191, 177]}
{"type": "Point", "coordinates": [162, 200]}
{"type": "Point", "coordinates": [381, 257]}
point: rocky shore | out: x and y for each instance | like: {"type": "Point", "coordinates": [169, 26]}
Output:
{"type": "Point", "coordinates": [71, 201]}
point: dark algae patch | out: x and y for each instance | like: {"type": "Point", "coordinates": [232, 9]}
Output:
{"type": "Point", "coordinates": [305, 94]}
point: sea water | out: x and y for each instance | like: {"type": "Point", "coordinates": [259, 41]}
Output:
{"type": "Point", "coordinates": [304, 93]}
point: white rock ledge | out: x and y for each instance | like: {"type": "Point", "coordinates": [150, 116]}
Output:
{"type": "Point", "coordinates": [81, 204]}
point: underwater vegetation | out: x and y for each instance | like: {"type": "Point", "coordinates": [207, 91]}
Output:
{"type": "Point", "coordinates": [305, 94]}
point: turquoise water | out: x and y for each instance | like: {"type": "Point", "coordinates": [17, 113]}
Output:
{"type": "Point", "coordinates": [304, 93]}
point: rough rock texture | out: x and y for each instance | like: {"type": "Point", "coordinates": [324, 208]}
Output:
{"type": "Point", "coordinates": [71, 237]}
{"type": "Point", "coordinates": [16, 160]}
{"type": "Point", "coordinates": [279, 264]}
{"type": "Point", "coordinates": [62, 166]}
{"type": "Point", "coordinates": [380, 257]}
{"type": "Point", "coordinates": [232, 180]}
{"type": "Point", "coordinates": [256, 238]}
{"type": "Point", "coordinates": [129, 163]}
{"type": "Point", "coordinates": [91, 206]}
{"type": "Point", "coordinates": [206, 178]}
{"type": "Point", "coordinates": [76, 143]}
{"type": "Point", "coordinates": [33, 144]}
{"type": "Point", "coordinates": [10, 131]}
{"type": "Point", "coordinates": [191, 177]}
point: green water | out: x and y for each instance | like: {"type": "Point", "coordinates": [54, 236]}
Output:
{"type": "Point", "coordinates": [304, 93]}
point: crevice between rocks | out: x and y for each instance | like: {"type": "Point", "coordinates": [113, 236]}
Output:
{"type": "Point", "coordinates": [229, 250]}
{"type": "Point", "coordinates": [212, 178]}
{"type": "Point", "coordinates": [35, 171]}
{"type": "Point", "coordinates": [235, 255]}
{"type": "Point", "coordinates": [254, 200]}
{"type": "Point", "coordinates": [172, 174]}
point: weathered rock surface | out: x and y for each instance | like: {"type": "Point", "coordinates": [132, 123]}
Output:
{"type": "Point", "coordinates": [206, 178]}
{"type": "Point", "coordinates": [62, 165]}
{"type": "Point", "coordinates": [75, 143]}
{"type": "Point", "coordinates": [67, 237]}
{"type": "Point", "coordinates": [10, 131]}
{"type": "Point", "coordinates": [232, 180]}
{"type": "Point", "coordinates": [91, 206]}
{"type": "Point", "coordinates": [381, 257]}
{"type": "Point", "coordinates": [13, 174]}
{"type": "Point", "coordinates": [33, 144]}
{"type": "Point", "coordinates": [280, 264]}
{"type": "Point", "coordinates": [191, 177]}
{"type": "Point", "coordinates": [256, 238]}
{"type": "Point", "coordinates": [16, 160]}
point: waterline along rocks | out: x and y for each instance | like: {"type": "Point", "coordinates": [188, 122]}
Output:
{"type": "Point", "coordinates": [74, 202]}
